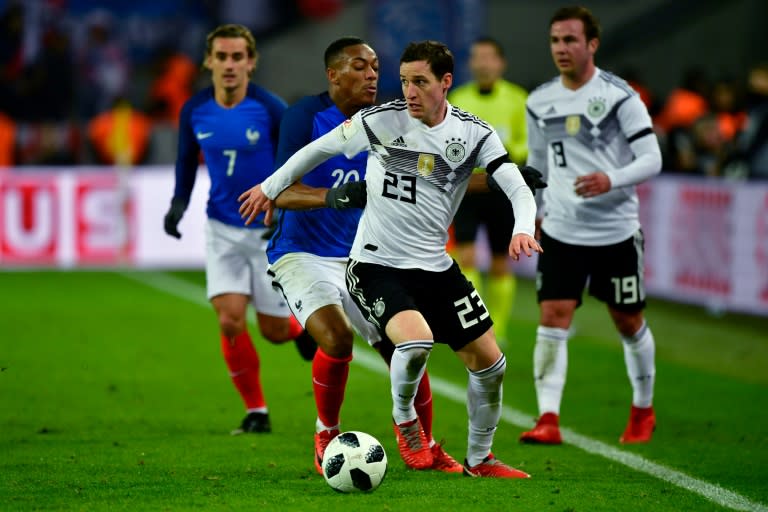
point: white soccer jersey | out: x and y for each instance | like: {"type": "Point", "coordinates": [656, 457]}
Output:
{"type": "Point", "coordinates": [602, 126]}
{"type": "Point", "coordinates": [416, 177]}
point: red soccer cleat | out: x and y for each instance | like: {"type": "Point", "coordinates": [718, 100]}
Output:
{"type": "Point", "coordinates": [441, 461]}
{"type": "Point", "coordinates": [492, 467]}
{"type": "Point", "coordinates": [413, 445]}
{"type": "Point", "coordinates": [321, 443]}
{"type": "Point", "coordinates": [546, 431]}
{"type": "Point", "coordinates": [642, 423]}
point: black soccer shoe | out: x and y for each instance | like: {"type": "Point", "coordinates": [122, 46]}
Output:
{"type": "Point", "coordinates": [306, 345]}
{"type": "Point", "coordinates": [254, 423]}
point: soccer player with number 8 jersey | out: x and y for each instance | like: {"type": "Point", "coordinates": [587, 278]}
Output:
{"type": "Point", "coordinates": [591, 136]}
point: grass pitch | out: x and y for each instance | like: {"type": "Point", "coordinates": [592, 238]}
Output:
{"type": "Point", "coordinates": [114, 396]}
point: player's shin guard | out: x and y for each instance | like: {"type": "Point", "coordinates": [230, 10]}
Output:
{"type": "Point", "coordinates": [408, 364]}
{"type": "Point", "coordinates": [329, 379]}
{"type": "Point", "coordinates": [639, 355]}
{"type": "Point", "coordinates": [243, 363]}
{"type": "Point", "coordinates": [484, 394]}
{"type": "Point", "coordinates": [550, 364]}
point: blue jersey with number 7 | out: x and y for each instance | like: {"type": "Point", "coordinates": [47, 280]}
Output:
{"type": "Point", "coordinates": [238, 146]}
{"type": "Point", "coordinates": [324, 231]}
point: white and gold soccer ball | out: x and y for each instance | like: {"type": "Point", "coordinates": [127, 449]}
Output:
{"type": "Point", "coordinates": [354, 462]}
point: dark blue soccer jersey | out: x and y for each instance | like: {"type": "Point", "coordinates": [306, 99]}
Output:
{"type": "Point", "coordinates": [238, 145]}
{"type": "Point", "coordinates": [323, 232]}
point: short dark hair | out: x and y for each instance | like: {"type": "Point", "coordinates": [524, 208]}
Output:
{"type": "Point", "coordinates": [231, 31]}
{"type": "Point", "coordinates": [577, 12]}
{"type": "Point", "coordinates": [335, 49]}
{"type": "Point", "coordinates": [490, 42]}
{"type": "Point", "coordinates": [435, 53]}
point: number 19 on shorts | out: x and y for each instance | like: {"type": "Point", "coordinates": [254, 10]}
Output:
{"type": "Point", "coordinates": [626, 290]}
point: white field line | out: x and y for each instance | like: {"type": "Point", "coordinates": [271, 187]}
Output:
{"type": "Point", "coordinates": [364, 357]}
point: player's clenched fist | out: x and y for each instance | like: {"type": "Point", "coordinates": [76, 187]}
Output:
{"type": "Point", "coordinates": [254, 201]}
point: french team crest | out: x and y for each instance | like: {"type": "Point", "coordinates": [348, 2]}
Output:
{"type": "Point", "coordinates": [253, 136]}
{"type": "Point", "coordinates": [426, 164]}
{"type": "Point", "coordinates": [572, 125]}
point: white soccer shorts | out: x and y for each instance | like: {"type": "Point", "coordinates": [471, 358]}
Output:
{"type": "Point", "coordinates": [310, 282]}
{"type": "Point", "coordinates": [236, 262]}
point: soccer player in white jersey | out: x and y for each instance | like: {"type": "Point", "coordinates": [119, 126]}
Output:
{"type": "Point", "coordinates": [591, 135]}
{"type": "Point", "coordinates": [309, 251]}
{"type": "Point", "coordinates": [422, 152]}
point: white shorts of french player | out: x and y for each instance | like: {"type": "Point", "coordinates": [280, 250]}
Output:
{"type": "Point", "coordinates": [310, 282]}
{"type": "Point", "coordinates": [236, 262]}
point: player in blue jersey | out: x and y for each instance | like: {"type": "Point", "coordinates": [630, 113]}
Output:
{"type": "Point", "coordinates": [235, 123]}
{"type": "Point", "coordinates": [309, 250]}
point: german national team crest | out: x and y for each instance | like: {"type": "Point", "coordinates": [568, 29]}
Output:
{"type": "Point", "coordinates": [596, 107]}
{"type": "Point", "coordinates": [455, 150]}
{"type": "Point", "coordinates": [572, 125]}
{"type": "Point", "coordinates": [379, 307]}
{"type": "Point", "coordinates": [426, 164]}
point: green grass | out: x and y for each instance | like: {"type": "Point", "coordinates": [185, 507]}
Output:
{"type": "Point", "coordinates": [114, 396]}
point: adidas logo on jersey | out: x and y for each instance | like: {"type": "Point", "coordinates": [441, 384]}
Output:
{"type": "Point", "coordinates": [399, 142]}
{"type": "Point", "coordinates": [550, 111]}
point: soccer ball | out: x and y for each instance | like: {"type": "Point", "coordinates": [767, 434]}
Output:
{"type": "Point", "coordinates": [354, 462]}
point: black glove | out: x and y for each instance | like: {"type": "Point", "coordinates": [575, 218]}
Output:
{"type": "Point", "coordinates": [267, 234]}
{"type": "Point", "coordinates": [172, 218]}
{"type": "Point", "coordinates": [531, 176]}
{"type": "Point", "coordinates": [349, 195]}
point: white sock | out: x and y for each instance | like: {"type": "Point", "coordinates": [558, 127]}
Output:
{"type": "Point", "coordinates": [639, 354]}
{"type": "Point", "coordinates": [550, 365]}
{"type": "Point", "coordinates": [484, 394]}
{"type": "Point", "coordinates": [409, 361]}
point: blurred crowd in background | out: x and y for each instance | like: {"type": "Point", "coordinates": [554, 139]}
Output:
{"type": "Point", "coordinates": [87, 86]}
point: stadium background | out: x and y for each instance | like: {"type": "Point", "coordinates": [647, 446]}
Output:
{"type": "Point", "coordinates": [708, 241]}
{"type": "Point", "coordinates": [112, 392]}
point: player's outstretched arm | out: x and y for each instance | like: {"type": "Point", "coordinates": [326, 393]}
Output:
{"type": "Point", "coordinates": [253, 202]}
{"type": "Point", "coordinates": [303, 197]}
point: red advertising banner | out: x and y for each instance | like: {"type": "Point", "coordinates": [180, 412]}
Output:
{"type": "Point", "coordinates": [29, 215]}
{"type": "Point", "coordinates": [105, 220]}
{"type": "Point", "coordinates": [706, 241]}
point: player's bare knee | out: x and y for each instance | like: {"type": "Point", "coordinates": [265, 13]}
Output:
{"type": "Point", "coordinates": [275, 332]}
{"type": "Point", "coordinates": [627, 323]}
{"type": "Point", "coordinates": [335, 339]}
{"type": "Point", "coordinates": [556, 315]}
{"type": "Point", "coordinates": [231, 325]}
